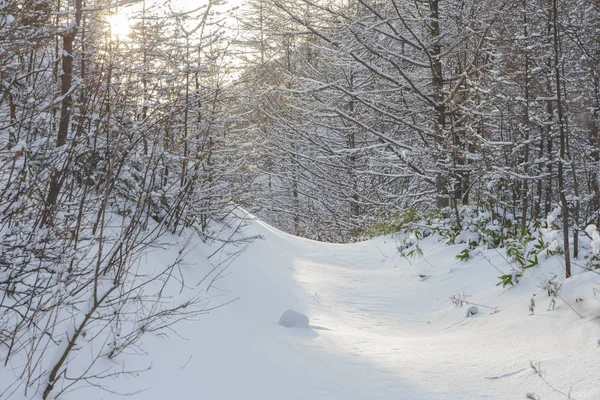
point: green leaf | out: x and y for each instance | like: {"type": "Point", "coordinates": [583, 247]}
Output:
{"type": "Point", "coordinates": [464, 255]}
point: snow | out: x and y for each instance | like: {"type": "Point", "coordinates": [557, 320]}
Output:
{"type": "Point", "coordinates": [592, 232]}
{"type": "Point", "coordinates": [466, 236]}
{"type": "Point", "coordinates": [378, 330]}
{"type": "Point", "coordinates": [293, 319]}
{"type": "Point", "coordinates": [472, 311]}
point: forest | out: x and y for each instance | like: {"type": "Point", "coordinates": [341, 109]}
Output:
{"type": "Point", "coordinates": [123, 122]}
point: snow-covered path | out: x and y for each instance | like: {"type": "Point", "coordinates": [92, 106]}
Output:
{"type": "Point", "coordinates": [381, 332]}
{"type": "Point", "coordinates": [378, 330]}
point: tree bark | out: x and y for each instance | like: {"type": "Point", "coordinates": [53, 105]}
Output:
{"type": "Point", "coordinates": [66, 80]}
{"type": "Point", "coordinates": [437, 82]}
{"type": "Point", "coordinates": [563, 142]}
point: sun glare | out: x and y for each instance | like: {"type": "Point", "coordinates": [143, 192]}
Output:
{"type": "Point", "coordinates": [119, 26]}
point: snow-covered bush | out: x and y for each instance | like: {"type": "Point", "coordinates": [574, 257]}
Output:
{"type": "Point", "coordinates": [402, 222]}
{"type": "Point", "coordinates": [475, 227]}
{"type": "Point", "coordinates": [593, 261]}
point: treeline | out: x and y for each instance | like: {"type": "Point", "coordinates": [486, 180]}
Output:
{"type": "Point", "coordinates": [366, 108]}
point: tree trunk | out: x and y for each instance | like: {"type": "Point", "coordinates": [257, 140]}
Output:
{"type": "Point", "coordinates": [65, 112]}
{"type": "Point", "coordinates": [526, 123]}
{"type": "Point", "coordinates": [437, 82]}
{"type": "Point", "coordinates": [563, 142]}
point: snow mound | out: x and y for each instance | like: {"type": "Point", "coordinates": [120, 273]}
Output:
{"type": "Point", "coordinates": [293, 319]}
{"type": "Point", "coordinates": [472, 311]}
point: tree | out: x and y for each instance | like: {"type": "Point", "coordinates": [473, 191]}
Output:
{"type": "Point", "coordinates": [138, 147]}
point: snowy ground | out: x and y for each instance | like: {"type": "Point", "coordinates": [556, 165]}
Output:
{"type": "Point", "coordinates": [377, 330]}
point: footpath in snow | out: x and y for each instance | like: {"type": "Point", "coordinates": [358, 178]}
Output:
{"type": "Point", "coordinates": [381, 326]}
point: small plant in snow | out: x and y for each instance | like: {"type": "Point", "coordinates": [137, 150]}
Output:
{"type": "Point", "coordinates": [464, 255]}
{"type": "Point", "coordinates": [403, 245]}
{"type": "Point", "coordinates": [515, 249]}
{"type": "Point", "coordinates": [522, 255]}
{"type": "Point", "coordinates": [521, 252]}
{"type": "Point", "coordinates": [552, 287]}
{"type": "Point", "coordinates": [509, 279]}
{"type": "Point", "coordinates": [459, 300]}
{"type": "Point", "coordinates": [532, 305]}
{"type": "Point", "coordinates": [417, 251]}
{"type": "Point", "coordinates": [549, 239]}
{"type": "Point", "coordinates": [593, 263]}
{"type": "Point", "coordinates": [407, 243]}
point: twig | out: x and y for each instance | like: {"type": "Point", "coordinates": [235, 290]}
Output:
{"type": "Point", "coordinates": [490, 262]}
{"type": "Point", "coordinates": [538, 372]}
{"type": "Point", "coordinates": [567, 303]}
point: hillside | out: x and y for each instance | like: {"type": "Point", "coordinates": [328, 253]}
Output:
{"type": "Point", "coordinates": [382, 326]}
